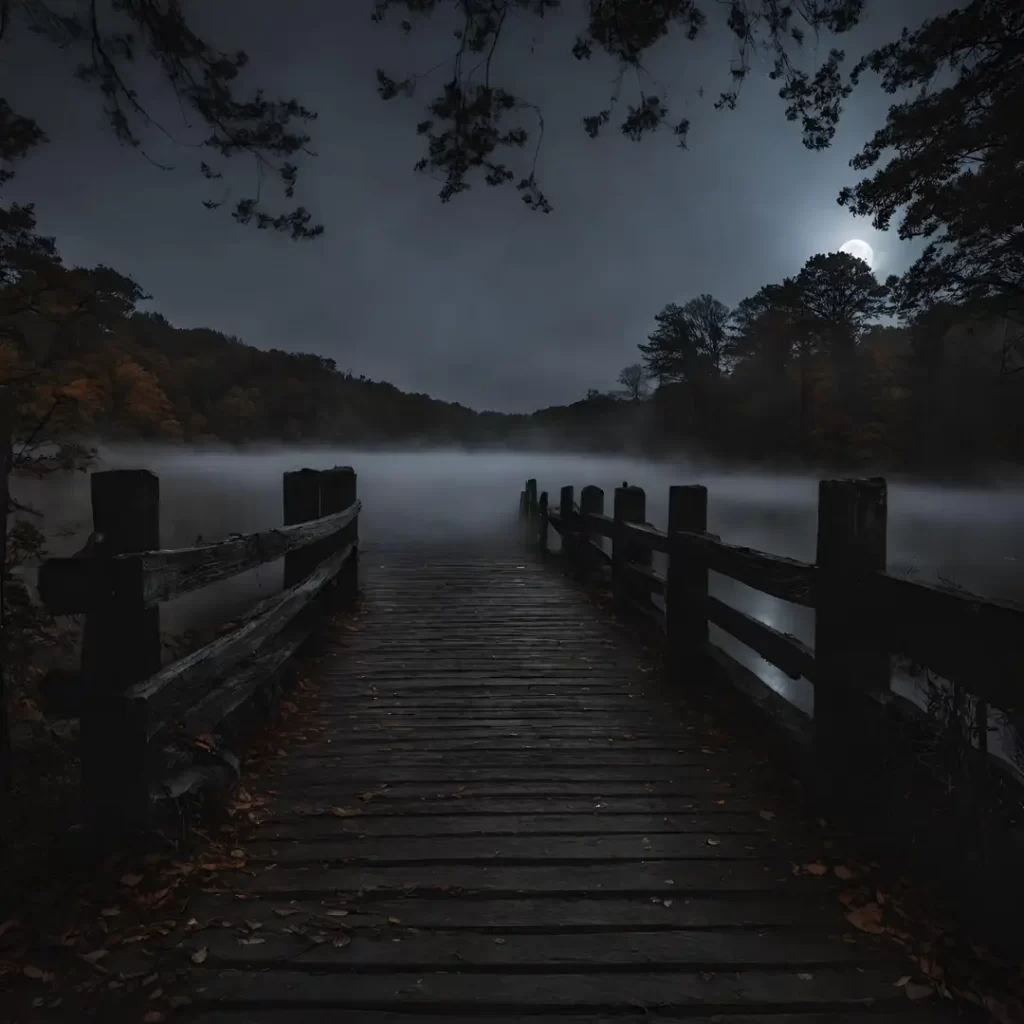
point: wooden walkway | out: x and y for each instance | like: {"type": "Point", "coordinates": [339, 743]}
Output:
{"type": "Point", "coordinates": [495, 812]}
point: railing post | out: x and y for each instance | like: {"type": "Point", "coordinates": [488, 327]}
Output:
{"type": "Point", "coordinates": [630, 507]}
{"type": "Point", "coordinates": [531, 501]}
{"type": "Point", "coordinates": [542, 523]}
{"type": "Point", "coordinates": [851, 545]}
{"type": "Point", "coordinates": [337, 493]}
{"type": "Point", "coordinates": [591, 503]}
{"type": "Point", "coordinates": [566, 501]}
{"type": "Point", "coordinates": [120, 647]}
{"type": "Point", "coordinates": [686, 590]}
{"type": "Point", "coordinates": [301, 504]}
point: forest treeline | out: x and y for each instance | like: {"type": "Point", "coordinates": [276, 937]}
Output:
{"type": "Point", "coordinates": [801, 369]}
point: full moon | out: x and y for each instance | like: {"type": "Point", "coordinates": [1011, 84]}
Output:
{"type": "Point", "coordinates": [860, 249]}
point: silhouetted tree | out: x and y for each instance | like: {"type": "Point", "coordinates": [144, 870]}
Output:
{"type": "Point", "coordinates": [108, 36]}
{"type": "Point", "coordinates": [472, 123]}
{"type": "Point", "coordinates": [634, 379]}
{"type": "Point", "coordinates": [950, 158]}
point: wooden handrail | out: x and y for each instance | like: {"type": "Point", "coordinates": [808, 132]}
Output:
{"type": "Point", "coordinates": [862, 612]}
{"type": "Point", "coordinates": [70, 586]}
{"type": "Point", "coordinates": [132, 703]}
{"type": "Point", "coordinates": [170, 693]}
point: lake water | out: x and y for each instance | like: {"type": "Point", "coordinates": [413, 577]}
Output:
{"type": "Point", "coordinates": [974, 537]}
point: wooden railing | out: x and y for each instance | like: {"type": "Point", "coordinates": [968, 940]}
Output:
{"type": "Point", "coordinates": [863, 615]}
{"type": "Point", "coordinates": [139, 718]}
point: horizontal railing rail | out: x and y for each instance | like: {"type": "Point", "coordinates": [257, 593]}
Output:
{"type": "Point", "coordinates": [134, 708]}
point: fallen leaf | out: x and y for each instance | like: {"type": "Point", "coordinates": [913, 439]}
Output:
{"type": "Point", "coordinates": [177, 1002]}
{"type": "Point", "coordinates": [200, 955]}
{"type": "Point", "coordinates": [154, 1017]}
{"type": "Point", "coordinates": [10, 923]}
{"type": "Point", "coordinates": [867, 919]}
{"type": "Point", "coordinates": [286, 911]}
{"type": "Point", "coordinates": [337, 913]}
{"type": "Point", "coordinates": [251, 942]}
{"type": "Point", "coordinates": [110, 911]}
{"type": "Point", "coordinates": [902, 981]}
{"type": "Point", "coordinates": [238, 854]}
{"type": "Point", "coordinates": [816, 868]}
{"type": "Point", "coordinates": [767, 815]}
{"type": "Point", "coordinates": [131, 880]}
{"type": "Point", "coordinates": [843, 872]}
{"type": "Point", "coordinates": [36, 973]}
{"type": "Point", "coordinates": [345, 812]}
{"type": "Point", "coordinates": [95, 956]}
{"type": "Point", "coordinates": [394, 920]}
{"type": "Point", "coordinates": [714, 842]}
{"type": "Point", "coordinates": [806, 977]}
{"type": "Point", "coordinates": [499, 942]}
{"type": "Point", "coordinates": [342, 941]}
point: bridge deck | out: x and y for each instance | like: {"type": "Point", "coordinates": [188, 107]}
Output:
{"type": "Point", "coordinates": [494, 811]}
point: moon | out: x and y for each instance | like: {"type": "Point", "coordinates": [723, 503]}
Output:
{"type": "Point", "coordinates": [860, 249]}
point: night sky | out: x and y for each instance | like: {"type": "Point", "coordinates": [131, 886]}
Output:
{"type": "Point", "coordinates": [480, 301]}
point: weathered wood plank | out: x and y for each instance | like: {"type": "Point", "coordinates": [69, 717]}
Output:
{"type": "Point", "coordinates": [930, 1014]}
{"type": "Point", "coordinates": [647, 536]}
{"type": "Point", "coordinates": [514, 849]}
{"type": "Point", "coordinates": [756, 989]}
{"type": "Point", "coordinates": [784, 578]}
{"type": "Point", "coordinates": [326, 824]}
{"type": "Point", "coordinates": [486, 916]}
{"type": "Point", "coordinates": [69, 586]}
{"type": "Point", "coordinates": [167, 695]}
{"type": "Point", "coordinates": [393, 947]}
{"type": "Point", "coordinates": [783, 650]}
{"type": "Point", "coordinates": [643, 880]}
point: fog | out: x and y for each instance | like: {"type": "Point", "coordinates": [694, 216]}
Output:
{"type": "Point", "coordinates": [973, 537]}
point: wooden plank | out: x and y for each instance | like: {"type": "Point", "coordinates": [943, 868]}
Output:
{"type": "Point", "coordinates": [600, 524]}
{"type": "Point", "coordinates": [325, 824]}
{"type": "Point", "coordinates": [420, 801]}
{"type": "Point", "coordinates": [217, 705]}
{"type": "Point", "coordinates": [931, 1014]}
{"type": "Point", "coordinates": [485, 916]}
{"type": "Point", "coordinates": [515, 849]}
{"type": "Point", "coordinates": [170, 574]}
{"type": "Point", "coordinates": [647, 951]}
{"type": "Point", "coordinates": [167, 695]}
{"type": "Point", "coordinates": [644, 880]}
{"type": "Point", "coordinates": [644, 578]}
{"type": "Point", "coordinates": [68, 586]}
{"type": "Point", "coordinates": [646, 536]}
{"type": "Point", "coordinates": [829, 988]}
{"type": "Point", "coordinates": [783, 650]}
{"type": "Point", "coordinates": [784, 578]}
{"type": "Point", "coordinates": [974, 641]}
{"type": "Point", "coordinates": [316, 772]}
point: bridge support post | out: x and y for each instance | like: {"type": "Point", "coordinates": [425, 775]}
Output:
{"type": "Point", "coordinates": [337, 493]}
{"type": "Point", "coordinates": [686, 590]}
{"type": "Point", "coordinates": [542, 523]}
{"type": "Point", "coordinates": [120, 647]}
{"type": "Point", "coordinates": [591, 503]}
{"type": "Point", "coordinates": [630, 507]}
{"type": "Point", "coordinates": [850, 666]}
{"type": "Point", "coordinates": [567, 513]}
{"type": "Point", "coordinates": [301, 504]}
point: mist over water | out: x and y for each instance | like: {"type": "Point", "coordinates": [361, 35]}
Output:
{"type": "Point", "coordinates": [971, 536]}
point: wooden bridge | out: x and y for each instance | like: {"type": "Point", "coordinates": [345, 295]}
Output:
{"type": "Point", "coordinates": [499, 798]}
